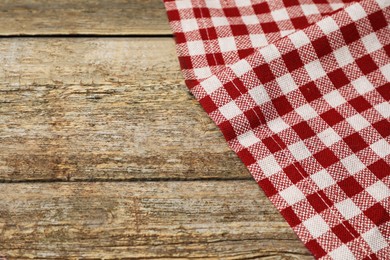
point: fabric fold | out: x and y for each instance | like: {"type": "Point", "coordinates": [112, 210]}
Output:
{"type": "Point", "coordinates": [305, 105]}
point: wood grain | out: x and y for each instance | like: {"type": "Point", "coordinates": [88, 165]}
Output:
{"type": "Point", "coordinates": [87, 17]}
{"type": "Point", "coordinates": [103, 108]}
{"type": "Point", "coordinates": [159, 220]}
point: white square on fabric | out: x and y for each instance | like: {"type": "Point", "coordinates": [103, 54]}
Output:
{"type": "Point", "coordinates": [211, 84]}
{"type": "Point", "coordinates": [362, 85]}
{"type": "Point", "coordinates": [286, 83]}
{"type": "Point", "coordinates": [250, 19]}
{"type": "Point", "coordinates": [280, 15]}
{"type": "Point", "coordinates": [286, 32]}
{"type": "Point", "coordinates": [269, 165]}
{"type": "Point", "coordinates": [323, 179]}
{"type": "Point", "coordinates": [358, 122]}
{"type": "Point", "coordinates": [379, 191]}
{"type": "Point", "coordinates": [248, 139]}
{"type": "Point", "coordinates": [315, 70]}
{"type": "Point", "coordinates": [277, 125]}
{"type": "Point", "coordinates": [310, 9]}
{"type": "Point", "coordinates": [329, 137]}
{"type": "Point", "coordinates": [316, 226]}
{"type": "Point", "coordinates": [230, 110]}
{"type": "Point", "coordinates": [328, 25]}
{"type": "Point", "coordinates": [292, 195]}
{"type": "Point", "coordinates": [227, 44]}
{"type": "Point", "coordinates": [241, 3]}
{"type": "Point", "coordinates": [353, 164]}
{"type": "Point", "coordinates": [183, 5]}
{"type": "Point", "coordinates": [343, 56]}
{"type": "Point", "coordinates": [383, 109]}
{"type": "Point", "coordinates": [336, 6]}
{"type": "Point", "coordinates": [356, 12]}
{"type": "Point", "coordinates": [270, 53]}
{"type": "Point", "coordinates": [371, 43]}
{"type": "Point", "coordinates": [299, 151]}
{"type": "Point", "coordinates": [381, 148]}
{"type": "Point", "coordinates": [383, 3]}
{"type": "Point", "coordinates": [259, 95]}
{"type": "Point", "coordinates": [219, 21]}
{"type": "Point", "coordinates": [258, 40]}
{"type": "Point", "coordinates": [385, 70]}
{"type": "Point", "coordinates": [348, 209]}
{"type": "Point", "coordinates": [374, 239]}
{"type": "Point", "coordinates": [334, 99]}
{"type": "Point", "coordinates": [299, 39]}
{"type": "Point", "coordinates": [241, 67]}
{"type": "Point", "coordinates": [189, 25]}
{"type": "Point", "coordinates": [342, 253]}
{"type": "Point", "coordinates": [213, 4]}
{"type": "Point", "coordinates": [306, 112]}
{"type": "Point", "coordinates": [202, 73]}
{"type": "Point", "coordinates": [196, 48]}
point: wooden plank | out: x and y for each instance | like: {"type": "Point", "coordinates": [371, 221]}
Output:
{"type": "Point", "coordinates": [103, 108]}
{"type": "Point", "coordinates": [88, 17]}
{"type": "Point", "coordinates": [212, 219]}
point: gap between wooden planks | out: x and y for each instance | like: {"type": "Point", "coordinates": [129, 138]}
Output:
{"type": "Point", "coordinates": [115, 109]}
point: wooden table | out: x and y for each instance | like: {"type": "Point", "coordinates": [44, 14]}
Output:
{"type": "Point", "coordinates": [105, 154]}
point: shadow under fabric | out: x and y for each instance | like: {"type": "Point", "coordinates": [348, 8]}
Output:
{"type": "Point", "coordinates": [300, 90]}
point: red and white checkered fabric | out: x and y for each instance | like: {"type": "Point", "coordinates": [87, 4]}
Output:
{"type": "Point", "coordinates": [300, 90]}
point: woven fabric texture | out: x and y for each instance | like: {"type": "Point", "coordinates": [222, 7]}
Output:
{"type": "Point", "coordinates": [300, 90]}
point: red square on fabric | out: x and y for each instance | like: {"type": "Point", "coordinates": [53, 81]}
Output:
{"type": "Point", "coordinates": [310, 91]}
{"type": "Point", "coordinates": [208, 34]}
{"type": "Point", "coordinates": [227, 130]}
{"type": "Point", "coordinates": [384, 91]}
{"type": "Point", "coordinates": [326, 158]}
{"type": "Point", "coordinates": [350, 186]}
{"type": "Point", "coordinates": [377, 20]}
{"type": "Point", "coordinates": [288, 3]}
{"type": "Point", "coordinates": [185, 62]}
{"type": "Point", "coordinates": [366, 64]}
{"type": "Point", "coordinates": [355, 142]}
{"type": "Point", "coordinates": [338, 78]}
{"type": "Point", "coordinates": [208, 104]}
{"type": "Point", "coordinates": [254, 117]}
{"type": "Point", "coordinates": [268, 187]}
{"type": "Point", "coordinates": [299, 22]}
{"type": "Point", "coordinates": [274, 143]}
{"type": "Point", "coordinates": [235, 88]}
{"type": "Point", "coordinates": [282, 105]}
{"type": "Point", "coordinates": [246, 157]}
{"type": "Point", "coordinates": [332, 117]}
{"type": "Point", "coordinates": [261, 8]}
{"type": "Point", "coordinates": [360, 104]}
{"type": "Point", "coordinates": [201, 13]}
{"type": "Point", "coordinates": [380, 168]}
{"type": "Point", "coordinates": [350, 33]}
{"type": "Point", "coordinates": [289, 214]}
{"type": "Point", "coordinates": [303, 130]}
{"type": "Point", "coordinates": [295, 172]}
{"type": "Point", "coordinates": [383, 127]}
{"type": "Point", "coordinates": [377, 213]}
{"type": "Point", "coordinates": [215, 59]}
{"type": "Point", "coordinates": [180, 38]}
{"type": "Point", "coordinates": [319, 201]}
{"type": "Point", "coordinates": [292, 60]}
{"type": "Point", "coordinates": [239, 29]}
{"type": "Point", "coordinates": [269, 27]}
{"type": "Point", "coordinates": [173, 15]}
{"type": "Point", "coordinates": [345, 232]}
{"type": "Point", "coordinates": [322, 46]}
{"type": "Point", "coordinates": [264, 73]}
{"type": "Point", "coordinates": [315, 248]}
{"type": "Point", "coordinates": [231, 12]}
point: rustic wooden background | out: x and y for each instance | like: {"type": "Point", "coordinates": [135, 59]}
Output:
{"type": "Point", "coordinates": [105, 154]}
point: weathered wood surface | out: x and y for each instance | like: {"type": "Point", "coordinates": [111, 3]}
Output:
{"type": "Point", "coordinates": [87, 17]}
{"type": "Point", "coordinates": [159, 220]}
{"type": "Point", "coordinates": [108, 108]}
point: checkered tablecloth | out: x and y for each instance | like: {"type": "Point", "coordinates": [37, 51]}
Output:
{"type": "Point", "coordinates": [300, 89]}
